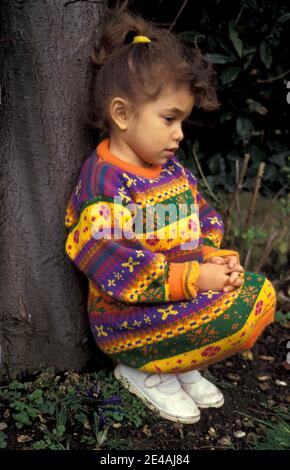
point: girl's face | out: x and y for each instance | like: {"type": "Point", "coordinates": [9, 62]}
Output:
{"type": "Point", "coordinates": [154, 134]}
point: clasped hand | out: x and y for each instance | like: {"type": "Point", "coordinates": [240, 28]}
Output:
{"type": "Point", "coordinates": [220, 273]}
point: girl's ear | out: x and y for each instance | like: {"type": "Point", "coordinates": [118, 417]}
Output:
{"type": "Point", "coordinates": [120, 112]}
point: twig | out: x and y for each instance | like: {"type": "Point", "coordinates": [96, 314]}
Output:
{"type": "Point", "coordinates": [124, 5]}
{"type": "Point", "coordinates": [237, 166]}
{"type": "Point", "coordinates": [189, 122]}
{"type": "Point", "coordinates": [239, 14]}
{"type": "Point", "coordinates": [203, 177]}
{"type": "Point", "coordinates": [178, 14]}
{"type": "Point", "coordinates": [283, 297]}
{"type": "Point", "coordinates": [237, 190]}
{"type": "Point", "coordinates": [270, 80]}
{"type": "Point", "coordinates": [267, 251]}
{"type": "Point", "coordinates": [255, 194]}
{"type": "Point", "coordinates": [248, 255]}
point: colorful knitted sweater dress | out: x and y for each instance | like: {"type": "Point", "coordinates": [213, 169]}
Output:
{"type": "Point", "coordinates": [142, 306]}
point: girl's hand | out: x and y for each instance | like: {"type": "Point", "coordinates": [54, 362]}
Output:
{"type": "Point", "coordinates": [231, 260]}
{"type": "Point", "coordinates": [236, 280]}
{"type": "Point", "coordinates": [217, 277]}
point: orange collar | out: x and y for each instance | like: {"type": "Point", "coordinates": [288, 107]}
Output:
{"type": "Point", "coordinates": [104, 153]}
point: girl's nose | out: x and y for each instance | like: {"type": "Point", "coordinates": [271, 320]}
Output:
{"type": "Point", "coordinates": [178, 134]}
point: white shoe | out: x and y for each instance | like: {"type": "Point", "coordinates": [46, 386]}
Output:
{"type": "Point", "coordinates": [161, 393]}
{"type": "Point", "coordinates": [204, 393]}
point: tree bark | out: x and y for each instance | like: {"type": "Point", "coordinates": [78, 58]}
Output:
{"type": "Point", "coordinates": [45, 82]}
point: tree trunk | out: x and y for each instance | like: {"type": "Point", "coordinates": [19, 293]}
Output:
{"type": "Point", "coordinates": [44, 59]}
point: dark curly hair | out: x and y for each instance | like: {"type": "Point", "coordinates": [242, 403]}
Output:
{"type": "Point", "coordinates": [139, 72]}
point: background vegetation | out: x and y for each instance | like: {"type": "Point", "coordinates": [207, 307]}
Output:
{"type": "Point", "coordinates": [248, 43]}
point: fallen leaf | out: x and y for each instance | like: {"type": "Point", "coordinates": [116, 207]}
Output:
{"type": "Point", "coordinates": [247, 423]}
{"type": "Point", "coordinates": [3, 426]}
{"type": "Point", "coordinates": [6, 414]}
{"type": "Point", "coordinates": [147, 431]}
{"type": "Point", "coordinates": [248, 355]}
{"type": "Point", "coordinates": [281, 383]}
{"type": "Point", "coordinates": [87, 425]}
{"type": "Point", "coordinates": [23, 438]}
{"type": "Point", "coordinates": [225, 441]}
{"type": "Point", "coordinates": [117, 425]}
{"type": "Point", "coordinates": [234, 377]}
{"type": "Point", "coordinates": [264, 378]}
{"type": "Point", "coordinates": [239, 434]}
{"type": "Point", "coordinates": [212, 432]}
{"type": "Point", "coordinates": [267, 358]}
{"type": "Point", "coordinates": [42, 419]}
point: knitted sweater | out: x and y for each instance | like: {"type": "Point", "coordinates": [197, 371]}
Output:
{"type": "Point", "coordinates": [152, 265]}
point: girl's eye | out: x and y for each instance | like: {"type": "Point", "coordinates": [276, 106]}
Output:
{"type": "Point", "coordinates": [169, 118]}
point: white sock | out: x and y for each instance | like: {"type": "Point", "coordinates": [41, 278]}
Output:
{"type": "Point", "coordinates": [189, 377]}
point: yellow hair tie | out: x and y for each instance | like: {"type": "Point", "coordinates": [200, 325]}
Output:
{"type": "Point", "coordinates": [140, 39]}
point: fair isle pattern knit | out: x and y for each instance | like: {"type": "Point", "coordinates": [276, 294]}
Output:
{"type": "Point", "coordinates": [138, 308]}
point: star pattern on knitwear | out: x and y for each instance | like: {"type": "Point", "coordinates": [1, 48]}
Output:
{"type": "Point", "coordinates": [167, 311]}
{"type": "Point", "coordinates": [130, 181]}
{"type": "Point", "coordinates": [130, 264]}
{"type": "Point", "coordinates": [100, 331]}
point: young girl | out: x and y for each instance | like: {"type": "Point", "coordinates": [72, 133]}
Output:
{"type": "Point", "coordinates": [164, 302]}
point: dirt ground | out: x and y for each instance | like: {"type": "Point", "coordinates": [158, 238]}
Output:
{"type": "Point", "coordinates": [252, 384]}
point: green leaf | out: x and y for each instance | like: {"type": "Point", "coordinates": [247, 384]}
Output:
{"type": "Point", "coordinates": [234, 36]}
{"type": "Point", "coordinates": [226, 116]}
{"type": "Point", "coordinates": [251, 4]}
{"type": "Point", "coordinates": [219, 58]}
{"type": "Point", "coordinates": [266, 54]}
{"type": "Point", "coordinates": [284, 18]}
{"type": "Point", "coordinates": [3, 438]}
{"type": "Point", "coordinates": [190, 36]}
{"type": "Point", "coordinates": [35, 395]}
{"type": "Point", "coordinates": [21, 418]}
{"type": "Point", "coordinates": [255, 106]}
{"type": "Point", "coordinates": [230, 74]}
{"type": "Point", "coordinates": [244, 128]}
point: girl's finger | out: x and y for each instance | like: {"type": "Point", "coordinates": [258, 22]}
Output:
{"type": "Point", "coordinates": [234, 277]}
{"type": "Point", "coordinates": [237, 268]}
{"type": "Point", "coordinates": [217, 259]}
{"type": "Point", "coordinates": [228, 289]}
{"type": "Point", "coordinates": [238, 282]}
{"type": "Point", "coordinates": [232, 261]}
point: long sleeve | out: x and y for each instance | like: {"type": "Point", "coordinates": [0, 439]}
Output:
{"type": "Point", "coordinates": [211, 224]}
{"type": "Point", "coordinates": [119, 267]}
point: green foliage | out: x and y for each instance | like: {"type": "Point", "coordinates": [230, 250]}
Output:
{"type": "Point", "coordinates": [60, 407]}
{"type": "Point", "coordinates": [3, 439]}
{"type": "Point", "coordinates": [276, 429]}
{"type": "Point", "coordinates": [277, 436]}
{"type": "Point", "coordinates": [248, 43]}
{"type": "Point", "coordinates": [283, 318]}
